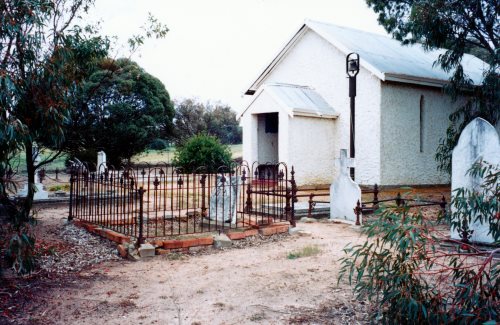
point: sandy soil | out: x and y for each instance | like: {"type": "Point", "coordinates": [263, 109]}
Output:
{"type": "Point", "coordinates": [250, 284]}
{"type": "Point", "coordinates": [256, 284]}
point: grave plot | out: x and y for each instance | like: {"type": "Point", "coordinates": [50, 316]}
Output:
{"type": "Point", "coordinates": [162, 202]}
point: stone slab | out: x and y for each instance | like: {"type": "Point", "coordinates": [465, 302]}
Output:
{"type": "Point", "coordinates": [222, 241]}
{"type": "Point", "coordinates": [344, 193]}
{"type": "Point", "coordinates": [146, 250]}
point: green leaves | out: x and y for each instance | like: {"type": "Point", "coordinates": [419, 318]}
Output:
{"type": "Point", "coordinates": [41, 62]}
{"type": "Point", "coordinates": [120, 110]}
{"type": "Point", "coordinates": [480, 205]}
{"type": "Point", "coordinates": [410, 279]}
{"type": "Point", "coordinates": [203, 151]}
{"type": "Point", "coordinates": [20, 252]}
{"type": "Point", "coordinates": [459, 27]}
{"type": "Point", "coordinates": [153, 28]}
{"type": "Point", "coordinates": [193, 117]}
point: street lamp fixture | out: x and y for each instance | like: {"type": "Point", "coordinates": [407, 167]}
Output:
{"type": "Point", "coordinates": [352, 70]}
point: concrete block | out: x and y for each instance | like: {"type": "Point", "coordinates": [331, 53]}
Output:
{"type": "Point", "coordinates": [222, 241]}
{"type": "Point", "coordinates": [146, 250]}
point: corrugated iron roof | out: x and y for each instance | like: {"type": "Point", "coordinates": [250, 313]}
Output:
{"type": "Point", "coordinates": [298, 100]}
{"type": "Point", "coordinates": [389, 57]}
{"type": "Point", "coordinates": [385, 57]}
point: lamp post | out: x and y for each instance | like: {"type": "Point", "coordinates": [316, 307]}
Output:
{"type": "Point", "coordinates": [352, 70]}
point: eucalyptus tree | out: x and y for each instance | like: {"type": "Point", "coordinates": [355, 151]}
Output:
{"type": "Point", "coordinates": [44, 57]}
{"type": "Point", "coordinates": [459, 26]}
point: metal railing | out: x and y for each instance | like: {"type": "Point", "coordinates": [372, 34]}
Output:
{"type": "Point", "coordinates": [163, 201]}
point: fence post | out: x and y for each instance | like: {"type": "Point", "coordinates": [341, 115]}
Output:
{"type": "Point", "coordinates": [375, 197]}
{"type": "Point", "coordinates": [288, 206]}
{"type": "Point", "coordinates": [443, 205]}
{"type": "Point", "coordinates": [203, 195]}
{"type": "Point", "coordinates": [71, 194]}
{"type": "Point", "coordinates": [294, 197]}
{"type": "Point", "coordinates": [248, 203]}
{"type": "Point", "coordinates": [358, 212]}
{"type": "Point", "coordinates": [398, 199]}
{"type": "Point", "coordinates": [140, 239]}
{"type": "Point", "coordinates": [311, 205]}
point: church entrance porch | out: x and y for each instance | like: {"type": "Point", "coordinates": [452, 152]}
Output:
{"type": "Point", "coordinates": [267, 138]}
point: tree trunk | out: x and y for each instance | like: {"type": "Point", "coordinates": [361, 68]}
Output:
{"type": "Point", "coordinates": [28, 203]}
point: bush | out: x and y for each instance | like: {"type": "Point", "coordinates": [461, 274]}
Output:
{"type": "Point", "coordinates": [202, 151]}
{"type": "Point", "coordinates": [409, 278]}
{"type": "Point", "coordinates": [158, 144]}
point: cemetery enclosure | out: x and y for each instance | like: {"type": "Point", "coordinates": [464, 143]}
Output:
{"type": "Point", "coordinates": [164, 201]}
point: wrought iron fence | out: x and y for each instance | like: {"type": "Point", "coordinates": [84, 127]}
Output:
{"type": "Point", "coordinates": [163, 200]}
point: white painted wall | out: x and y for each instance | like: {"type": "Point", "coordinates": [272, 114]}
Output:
{"type": "Point", "coordinates": [402, 161]}
{"type": "Point", "coordinates": [312, 147]}
{"type": "Point", "coordinates": [316, 63]}
{"type": "Point", "coordinates": [248, 123]}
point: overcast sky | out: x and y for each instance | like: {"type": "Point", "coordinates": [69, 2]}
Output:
{"type": "Point", "coordinates": [215, 49]}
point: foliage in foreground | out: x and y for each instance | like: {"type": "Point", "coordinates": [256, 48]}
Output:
{"type": "Point", "coordinates": [45, 59]}
{"type": "Point", "coordinates": [202, 151]}
{"type": "Point", "coordinates": [410, 279]}
{"type": "Point", "coordinates": [479, 205]}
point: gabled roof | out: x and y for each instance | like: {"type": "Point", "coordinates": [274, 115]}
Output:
{"type": "Point", "coordinates": [296, 101]}
{"type": "Point", "coordinates": [385, 57]}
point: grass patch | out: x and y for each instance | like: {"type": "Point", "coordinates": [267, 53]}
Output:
{"type": "Point", "coordinates": [61, 187]}
{"type": "Point", "coordinates": [236, 150]}
{"type": "Point", "coordinates": [305, 251]}
{"type": "Point", "coordinates": [165, 156]}
{"type": "Point", "coordinates": [19, 161]}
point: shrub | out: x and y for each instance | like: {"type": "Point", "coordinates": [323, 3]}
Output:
{"type": "Point", "coordinates": [202, 151]}
{"type": "Point", "coordinates": [409, 278]}
{"type": "Point", "coordinates": [158, 144]}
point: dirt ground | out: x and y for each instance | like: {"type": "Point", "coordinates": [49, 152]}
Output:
{"type": "Point", "coordinates": [255, 282]}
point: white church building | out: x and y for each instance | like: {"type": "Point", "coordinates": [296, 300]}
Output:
{"type": "Point", "coordinates": [298, 109]}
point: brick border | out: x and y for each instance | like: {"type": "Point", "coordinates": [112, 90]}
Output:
{"type": "Point", "coordinates": [165, 246]}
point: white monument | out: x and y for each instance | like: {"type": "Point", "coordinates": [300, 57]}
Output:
{"type": "Point", "coordinates": [223, 200]}
{"type": "Point", "coordinates": [40, 193]}
{"type": "Point", "coordinates": [479, 140]}
{"type": "Point", "coordinates": [101, 162]}
{"type": "Point", "coordinates": [344, 192]}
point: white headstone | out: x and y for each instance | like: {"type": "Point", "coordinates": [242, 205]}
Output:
{"type": "Point", "coordinates": [344, 192]}
{"type": "Point", "coordinates": [223, 199]}
{"type": "Point", "coordinates": [36, 160]}
{"type": "Point", "coordinates": [40, 192]}
{"type": "Point", "coordinates": [101, 162]}
{"type": "Point", "coordinates": [479, 140]}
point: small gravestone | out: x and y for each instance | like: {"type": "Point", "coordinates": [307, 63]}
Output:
{"type": "Point", "coordinates": [479, 140]}
{"type": "Point", "coordinates": [101, 162]}
{"type": "Point", "coordinates": [40, 192]}
{"type": "Point", "coordinates": [344, 192]}
{"type": "Point", "coordinates": [223, 199]}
